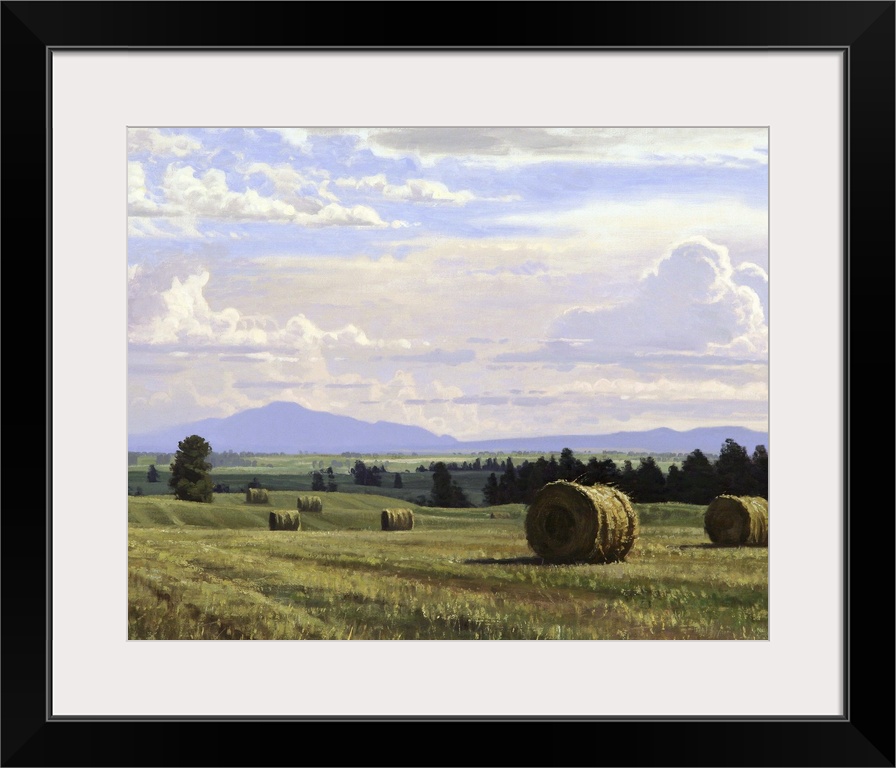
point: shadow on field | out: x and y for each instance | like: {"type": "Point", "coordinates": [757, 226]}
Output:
{"type": "Point", "coordinates": [716, 546]}
{"type": "Point", "coordinates": [506, 561]}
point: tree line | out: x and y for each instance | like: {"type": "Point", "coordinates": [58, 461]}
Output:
{"type": "Point", "coordinates": [697, 481]}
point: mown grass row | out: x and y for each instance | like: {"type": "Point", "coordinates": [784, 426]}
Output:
{"type": "Point", "coordinates": [219, 574]}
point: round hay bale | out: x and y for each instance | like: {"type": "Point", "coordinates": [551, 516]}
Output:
{"type": "Point", "coordinates": [737, 521]}
{"type": "Point", "coordinates": [310, 504]}
{"type": "Point", "coordinates": [281, 522]}
{"type": "Point", "coordinates": [256, 496]}
{"type": "Point", "coordinates": [570, 523]}
{"type": "Point", "coordinates": [397, 519]}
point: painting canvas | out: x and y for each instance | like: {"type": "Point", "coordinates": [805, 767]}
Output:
{"type": "Point", "coordinates": [397, 383]}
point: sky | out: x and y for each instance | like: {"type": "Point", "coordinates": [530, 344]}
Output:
{"type": "Point", "coordinates": [476, 282]}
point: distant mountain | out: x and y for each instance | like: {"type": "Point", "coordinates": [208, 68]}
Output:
{"type": "Point", "coordinates": [290, 428]}
{"type": "Point", "coordinates": [662, 440]}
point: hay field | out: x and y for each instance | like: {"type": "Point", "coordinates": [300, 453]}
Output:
{"type": "Point", "coordinates": [215, 571]}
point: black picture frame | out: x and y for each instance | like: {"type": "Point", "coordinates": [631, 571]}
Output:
{"type": "Point", "coordinates": [864, 736]}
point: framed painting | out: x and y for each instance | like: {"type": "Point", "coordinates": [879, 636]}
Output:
{"type": "Point", "coordinates": [498, 262]}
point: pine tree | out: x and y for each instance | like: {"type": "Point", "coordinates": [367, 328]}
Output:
{"type": "Point", "coordinates": [650, 485]}
{"type": "Point", "coordinates": [734, 469]}
{"type": "Point", "coordinates": [490, 490]}
{"type": "Point", "coordinates": [759, 472]}
{"type": "Point", "coordinates": [699, 480]}
{"type": "Point", "coordinates": [190, 476]}
{"type": "Point", "coordinates": [674, 484]}
{"type": "Point", "coordinates": [441, 485]}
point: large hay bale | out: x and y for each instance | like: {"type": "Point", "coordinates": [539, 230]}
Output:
{"type": "Point", "coordinates": [571, 523]}
{"type": "Point", "coordinates": [256, 496]}
{"type": "Point", "coordinates": [273, 521]}
{"type": "Point", "coordinates": [737, 521]}
{"type": "Point", "coordinates": [397, 519]}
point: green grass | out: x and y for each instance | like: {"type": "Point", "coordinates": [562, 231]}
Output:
{"type": "Point", "coordinates": [293, 472]}
{"type": "Point", "coordinates": [204, 571]}
{"type": "Point", "coordinates": [415, 484]}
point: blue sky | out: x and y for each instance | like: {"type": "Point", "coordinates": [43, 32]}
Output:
{"type": "Point", "coordinates": [475, 282]}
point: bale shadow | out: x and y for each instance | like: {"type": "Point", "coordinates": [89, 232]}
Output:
{"type": "Point", "coordinates": [716, 546]}
{"type": "Point", "coordinates": [506, 561]}
{"type": "Point", "coordinates": [522, 561]}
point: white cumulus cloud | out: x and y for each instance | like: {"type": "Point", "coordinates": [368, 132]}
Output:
{"type": "Point", "coordinates": [180, 315]}
{"type": "Point", "coordinates": [189, 196]}
{"type": "Point", "coordinates": [412, 190]}
{"type": "Point", "coordinates": [160, 143]}
{"type": "Point", "coordinates": [691, 304]}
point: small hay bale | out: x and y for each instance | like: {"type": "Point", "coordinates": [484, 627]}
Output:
{"type": "Point", "coordinates": [280, 522]}
{"type": "Point", "coordinates": [397, 519]}
{"type": "Point", "coordinates": [256, 496]}
{"type": "Point", "coordinates": [571, 523]}
{"type": "Point", "coordinates": [310, 504]}
{"type": "Point", "coordinates": [737, 521]}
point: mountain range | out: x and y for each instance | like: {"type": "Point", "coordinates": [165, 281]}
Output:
{"type": "Point", "coordinates": [290, 428]}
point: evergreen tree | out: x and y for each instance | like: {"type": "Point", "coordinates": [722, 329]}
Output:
{"type": "Point", "coordinates": [441, 494]}
{"type": "Point", "coordinates": [759, 472]}
{"type": "Point", "coordinates": [627, 482]}
{"type": "Point", "coordinates": [552, 470]}
{"type": "Point", "coordinates": [152, 474]}
{"type": "Point", "coordinates": [569, 466]}
{"type": "Point", "coordinates": [365, 476]}
{"type": "Point", "coordinates": [531, 479]}
{"type": "Point", "coordinates": [734, 469]}
{"type": "Point", "coordinates": [490, 490]}
{"type": "Point", "coordinates": [446, 492]}
{"type": "Point", "coordinates": [674, 484]}
{"type": "Point", "coordinates": [396, 482]}
{"type": "Point", "coordinates": [699, 480]}
{"type": "Point", "coordinates": [190, 476]}
{"type": "Point", "coordinates": [508, 490]}
{"type": "Point", "coordinates": [458, 497]}
{"type": "Point", "coordinates": [650, 485]}
{"type": "Point", "coordinates": [604, 472]}
{"type": "Point", "coordinates": [317, 482]}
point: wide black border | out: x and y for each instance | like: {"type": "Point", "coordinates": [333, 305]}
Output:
{"type": "Point", "coordinates": [863, 30]}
